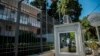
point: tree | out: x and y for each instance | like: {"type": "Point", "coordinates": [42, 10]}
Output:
{"type": "Point", "coordinates": [69, 7]}
{"type": "Point", "coordinates": [90, 35]}
{"type": "Point", "coordinates": [89, 31]}
{"type": "Point", "coordinates": [85, 23]}
{"type": "Point", "coordinates": [52, 11]}
{"type": "Point", "coordinates": [74, 10]}
{"type": "Point", "coordinates": [62, 7]}
{"type": "Point", "coordinates": [39, 4]}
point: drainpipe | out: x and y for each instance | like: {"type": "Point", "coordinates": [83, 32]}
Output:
{"type": "Point", "coordinates": [17, 27]}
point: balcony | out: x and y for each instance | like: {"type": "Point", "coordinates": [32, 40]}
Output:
{"type": "Point", "coordinates": [7, 33]}
{"type": "Point", "coordinates": [33, 22]}
{"type": "Point", "coordinates": [7, 18]}
{"type": "Point", "coordinates": [3, 17]}
{"type": "Point", "coordinates": [11, 19]}
{"type": "Point", "coordinates": [29, 24]}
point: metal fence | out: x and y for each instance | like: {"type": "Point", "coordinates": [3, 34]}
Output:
{"type": "Point", "coordinates": [35, 33]}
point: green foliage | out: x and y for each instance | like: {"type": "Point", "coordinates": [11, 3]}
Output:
{"type": "Point", "coordinates": [85, 23]}
{"type": "Point", "coordinates": [89, 31]}
{"type": "Point", "coordinates": [53, 10]}
{"type": "Point", "coordinates": [62, 7]}
{"type": "Point", "coordinates": [72, 35]}
{"type": "Point", "coordinates": [93, 44]}
{"type": "Point", "coordinates": [38, 3]}
{"type": "Point", "coordinates": [71, 8]}
{"type": "Point", "coordinates": [86, 26]}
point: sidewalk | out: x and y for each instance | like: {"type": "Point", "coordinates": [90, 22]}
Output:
{"type": "Point", "coordinates": [48, 53]}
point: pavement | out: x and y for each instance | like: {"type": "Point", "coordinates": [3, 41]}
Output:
{"type": "Point", "coordinates": [50, 53]}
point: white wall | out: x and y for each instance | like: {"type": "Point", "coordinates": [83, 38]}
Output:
{"type": "Point", "coordinates": [49, 37]}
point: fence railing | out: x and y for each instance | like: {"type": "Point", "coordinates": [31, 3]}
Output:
{"type": "Point", "coordinates": [28, 42]}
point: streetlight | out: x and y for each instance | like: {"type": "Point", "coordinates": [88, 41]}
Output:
{"type": "Point", "coordinates": [17, 26]}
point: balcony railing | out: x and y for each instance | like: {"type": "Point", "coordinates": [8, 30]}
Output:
{"type": "Point", "coordinates": [3, 16]}
{"type": "Point", "coordinates": [13, 19]}
{"type": "Point", "coordinates": [7, 33]}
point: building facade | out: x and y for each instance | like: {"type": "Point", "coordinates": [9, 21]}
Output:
{"type": "Point", "coordinates": [27, 29]}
